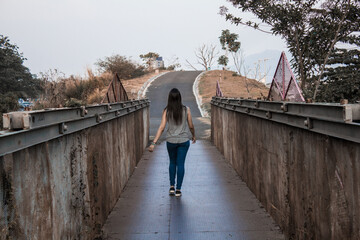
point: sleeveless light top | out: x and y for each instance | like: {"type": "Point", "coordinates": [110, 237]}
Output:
{"type": "Point", "coordinates": [178, 133]}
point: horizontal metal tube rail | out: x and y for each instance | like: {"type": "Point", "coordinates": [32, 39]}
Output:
{"type": "Point", "coordinates": [330, 119]}
{"type": "Point", "coordinates": [44, 125]}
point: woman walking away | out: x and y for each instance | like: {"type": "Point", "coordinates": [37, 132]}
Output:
{"type": "Point", "coordinates": [179, 122]}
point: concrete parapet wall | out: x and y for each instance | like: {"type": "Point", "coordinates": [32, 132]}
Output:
{"type": "Point", "coordinates": [65, 188]}
{"type": "Point", "coordinates": [309, 182]}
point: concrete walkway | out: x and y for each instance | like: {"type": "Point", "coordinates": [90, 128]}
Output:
{"type": "Point", "coordinates": [215, 203]}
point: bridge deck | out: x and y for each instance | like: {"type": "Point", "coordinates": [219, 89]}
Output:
{"type": "Point", "coordinates": [215, 203]}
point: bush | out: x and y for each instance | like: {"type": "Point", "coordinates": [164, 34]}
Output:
{"type": "Point", "coordinates": [334, 91]}
{"type": "Point", "coordinates": [8, 103]}
{"type": "Point", "coordinates": [72, 102]}
{"type": "Point", "coordinates": [171, 68]}
{"type": "Point", "coordinates": [60, 91]}
{"type": "Point", "coordinates": [124, 67]}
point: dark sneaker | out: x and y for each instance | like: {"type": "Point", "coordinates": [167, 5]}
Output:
{"type": "Point", "coordinates": [177, 193]}
{"type": "Point", "coordinates": [172, 191]}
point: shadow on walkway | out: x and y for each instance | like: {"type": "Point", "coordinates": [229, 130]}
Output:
{"type": "Point", "coordinates": [215, 203]}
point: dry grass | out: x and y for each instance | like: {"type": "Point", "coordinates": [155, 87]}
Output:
{"type": "Point", "coordinates": [75, 91]}
{"type": "Point", "coordinates": [231, 86]}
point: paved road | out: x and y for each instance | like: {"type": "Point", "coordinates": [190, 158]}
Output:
{"type": "Point", "coordinates": [158, 94]}
{"type": "Point", "coordinates": [215, 205]}
{"type": "Point", "coordinates": [159, 90]}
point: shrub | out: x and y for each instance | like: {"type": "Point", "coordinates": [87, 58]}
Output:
{"type": "Point", "coordinates": [124, 67]}
{"type": "Point", "coordinates": [8, 103]}
{"type": "Point", "coordinates": [60, 91]}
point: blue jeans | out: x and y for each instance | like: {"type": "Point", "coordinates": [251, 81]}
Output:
{"type": "Point", "coordinates": [177, 153]}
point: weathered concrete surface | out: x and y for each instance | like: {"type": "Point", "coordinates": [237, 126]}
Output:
{"type": "Point", "coordinates": [307, 181]}
{"type": "Point", "coordinates": [65, 188]}
{"type": "Point", "coordinates": [215, 203]}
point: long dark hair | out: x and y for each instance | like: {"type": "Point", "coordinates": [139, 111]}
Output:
{"type": "Point", "coordinates": [174, 107]}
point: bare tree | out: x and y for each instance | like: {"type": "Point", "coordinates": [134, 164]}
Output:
{"type": "Point", "coordinates": [173, 63]}
{"type": "Point", "coordinates": [257, 73]}
{"type": "Point", "coordinates": [54, 85]}
{"type": "Point", "coordinates": [206, 55]}
{"type": "Point", "coordinates": [52, 75]}
{"type": "Point", "coordinates": [239, 60]}
{"type": "Point", "coordinates": [250, 84]}
{"type": "Point", "coordinates": [190, 65]}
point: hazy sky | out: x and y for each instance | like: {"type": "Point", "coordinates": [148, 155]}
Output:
{"type": "Point", "coordinates": [70, 35]}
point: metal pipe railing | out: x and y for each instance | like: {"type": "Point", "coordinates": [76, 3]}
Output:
{"type": "Point", "coordinates": [25, 129]}
{"type": "Point", "coordinates": [330, 119]}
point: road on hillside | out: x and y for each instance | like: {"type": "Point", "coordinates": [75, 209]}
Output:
{"type": "Point", "coordinates": [158, 94]}
{"type": "Point", "coordinates": [159, 90]}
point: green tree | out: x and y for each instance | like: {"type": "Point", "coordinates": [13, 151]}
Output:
{"type": "Point", "coordinates": [14, 76]}
{"type": "Point", "coordinates": [229, 41]}
{"type": "Point", "coordinates": [15, 79]}
{"type": "Point", "coordinates": [149, 58]}
{"type": "Point", "coordinates": [124, 67]}
{"type": "Point", "coordinates": [230, 44]}
{"type": "Point", "coordinates": [223, 60]}
{"type": "Point", "coordinates": [8, 103]}
{"type": "Point", "coordinates": [342, 81]}
{"type": "Point", "coordinates": [310, 29]}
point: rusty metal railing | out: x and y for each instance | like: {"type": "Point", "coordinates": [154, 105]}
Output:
{"type": "Point", "coordinates": [25, 129]}
{"type": "Point", "coordinates": [335, 120]}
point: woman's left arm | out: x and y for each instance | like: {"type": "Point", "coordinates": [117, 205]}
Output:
{"type": "Point", "coordinates": [191, 125]}
{"type": "Point", "coordinates": [159, 131]}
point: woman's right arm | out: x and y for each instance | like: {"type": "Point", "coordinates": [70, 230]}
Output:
{"type": "Point", "coordinates": [191, 125]}
{"type": "Point", "coordinates": [159, 132]}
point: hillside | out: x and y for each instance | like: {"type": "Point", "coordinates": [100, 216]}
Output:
{"type": "Point", "coordinates": [231, 85]}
